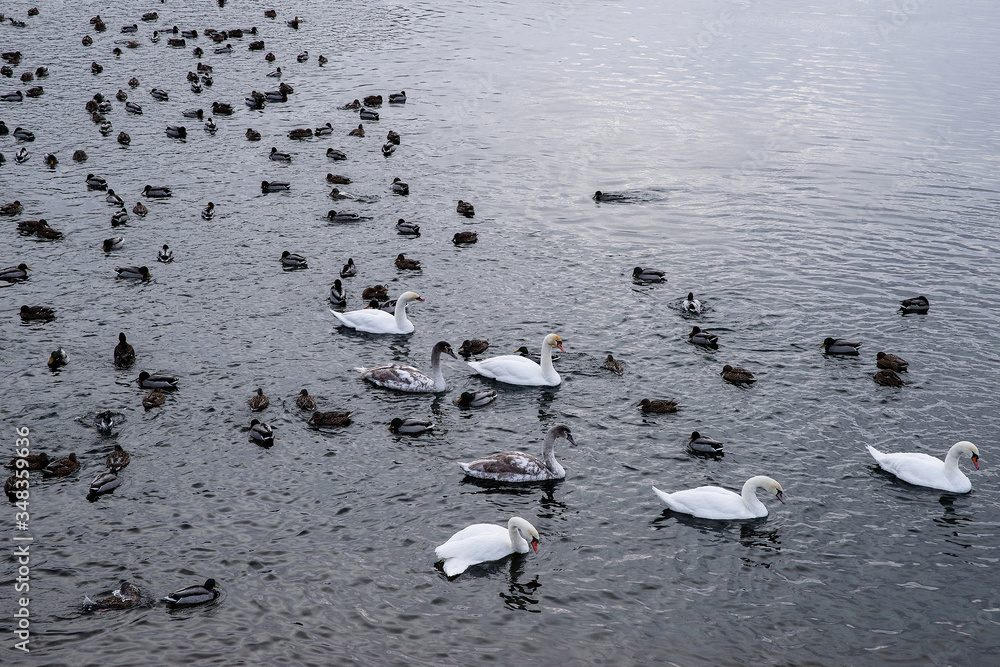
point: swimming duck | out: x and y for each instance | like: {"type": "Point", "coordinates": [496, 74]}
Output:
{"type": "Point", "coordinates": [368, 114]}
{"type": "Point", "coordinates": [11, 208]}
{"type": "Point", "coordinates": [21, 156]}
{"type": "Point", "coordinates": [117, 459]}
{"type": "Point", "coordinates": [714, 502]}
{"type": "Point", "coordinates": [4, 130]}
{"type": "Point", "coordinates": [100, 26]}
{"type": "Point", "coordinates": [377, 292]}
{"type": "Point", "coordinates": [259, 401]}
{"type": "Point", "coordinates": [304, 401]}
{"type": "Point", "coordinates": [401, 426]}
{"type": "Point", "coordinates": [270, 57]}
{"type": "Point", "coordinates": [160, 95]}
{"type": "Point", "coordinates": [302, 57]}
{"type": "Point", "coordinates": [392, 137]}
{"type": "Point", "coordinates": [691, 304]}
{"type": "Point", "coordinates": [356, 104]}
{"type": "Point", "coordinates": [737, 375]}
{"type": "Point", "coordinates": [919, 305]}
{"type": "Point", "coordinates": [349, 270]}
{"type": "Point", "coordinates": [252, 134]}
{"type": "Point", "coordinates": [476, 399]}
{"type": "Point", "coordinates": [12, 273]}
{"type": "Point", "coordinates": [474, 346]}
{"type": "Point", "coordinates": [133, 82]}
{"type": "Point", "coordinates": [132, 107]}
{"type": "Point", "coordinates": [332, 418]}
{"type": "Point", "coordinates": [97, 68]}
{"type": "Point", "coordinates": [27, 76]}
{"type": "Point", "coordinates": [892, 362]}
{"type": "Point", "coordinates": [408, 228]}
{"type": "Point", "coordinates": [380, 322]}
{"type": "Point", "coordinates": [397, 98]}
{"type": "Point", "coordinates": [208, 212]}
{"type": "Point", "coordinates": [114, 199]}
{"type": "Point", "coordinates": [388, 148]}
{"type": "Point", "coordinates": [222, 109]}
{"type": "Point", "coordinates": [96, 182]}
{"type": "Point", "coordinates": [461, 238]}
{"type": "Point", "coordinates": [923, 470]}
{"type": "Point", "coordinates": [275, 186]}
{"type": "Point", "coordinates": [124, 597]}
{"type": "Point", "coordinates": [407, 378]}
{"type": "Point", "coordinates": [278, 156]}
{"type": "Point", "coordinates": [153, 399]}
{"type": "Point", "coordinates": [150, 16]}
{"type": "Point", "coordinates": [614, 365]}
{"type": "Point", "coordinates": [176, 131]}
{"type": "Point", "coordinates": [114, 243]}
{"type": "Point", "coordinates": [130, 28]}
{"type": "Point", "coordinates": [228, 48]}
{"type": "Point", "coordinates": [124, 353]}
{"type": "Point", "coordinates": [657, 405]}
{"type": "Point", "coordinates": [121, 95]}
{"type": "Point", "coordinates": [87, 40]}
{"type": "Point", "coordinates": [840, 346]}
{"type": "Point", "coordinates": [373, 100]}
{"type": "Point", "coordinates": [703, 338]}
{"type": "Point", "coordinates": [79, 156]}
{"type": "Point", "coordinates": [61, 467]}
{"type": "Point", "coordinates": [158, 381]}
{"type": "Point", "coordinates": [341, 216]}
{"type": "Point", "coordinates": [276, 96]}
{"type": "Point", "coordinates": [194, 594]}
{"type": "Point", "coordinates": [256, 46]}
{"type": "Point", "coordinates": [210, 126]}
{"type": "Point", "coordinates": [703, 444]}
{"type": "Point", "coordinates": [406, 264]}
{"type": "Point", "coordinates": [607, 196]}
{"type": "Point", "coordinates": [359, 131]}
{"type": "Point", "coordinates": [399, 187]}
{"type": "Point", "coordinates": [515, 369]}
{"type": "Point", "coordinates": [466, 209]}
{"type": "Point", "coordinates": [31, 462]}
{"type": "Point", "coordinates": [300, 133]}
{"type": "Point", "coordinates": [140, 209]}
{"type": "Point", "coordinates": [521, 467]}
{"type": "Point", "coordinates": [104, 422]}
{"type": "Point", "coordinates": [13, 486]}
{"type": "Point", "coordinates": [31, 313]}
{"type": "Point", "coordinates": [485, 542]}
{"type": "Point", "coordinates": [888, 378]}
{"type": "Point", "coordinates": [291, 260]}
{"type": "Point", "coordinates": [193, 113]}
{"type": "Point", "coordinates": [261, 433]}
{"type": "Point", "coordinates": [105, 128]}
{"type": "Point", "coordinates": [338, 179]}
{"type": "Point", "coordinates": [648, 275]}
{"type": "Point", "coordinates": [337, 194]}
{"type": "Point", "coordinates": [34, 91]}
{"type": "Point", "coordinates": [23, 135]}
{"type": "Point", "coordinates": [334, 154]}
{"type": "Point", "coordinates": [324, 130]}
{"type": "Point", "coordinates": [256, 100]}
{"type": "Point", "coordinates": [119, 218]}
{"type": "Point", "coordinates": [166, 255]}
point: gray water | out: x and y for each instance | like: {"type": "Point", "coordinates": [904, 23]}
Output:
{"type": "Point", "coordinates": [799, 168]}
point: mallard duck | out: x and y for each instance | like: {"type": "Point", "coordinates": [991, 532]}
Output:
{"type": "Point", "coordinates": [261, 433]}
{"type": "Point", "coordinates": [485, 542]}
{"type": "Point", "coordinates": [158, 192]}
{"type": "Point", "coordinates": [29, 313]}
{"type": "Point", "coordinates": [117, 459]}
{"type": "Point", "coordinates": [121, 95]}
{"type": "Point", "coordinates": [125, 597]}
{"type": "Point", "coordinates": [96, 182]}
{"type": "Point", "coordinates": [259, 401]}
{"type": "Point", "coordinates": [322, 60]}
{"type": "Point", "coordinates": [208, 212]}
{"type": "Point", "coordinates": [210, 126]}
{"type": "Point", "coordinates": [648, 275]}
{"type": "Point", "coordinates": [607, 196]}
{"type": "Point", "coordinates": [11, 208]}
{"type": "Point", "coordinates": [406, 264]}
{"type": "Point", "coordinates": [293, 261]}
{"type": "Point", "coordinates": [27, 76]}
{"type": "Point", "coordinates": [270, 13]}
{"type": "Point", "coordinates": [338, 296]}
{"type": "Point", "coordinates": [300, 133]}
{"type": "Point", "coordinates": [302, 57]}
{"type": "Point", "coordinates": [408, 228]}
{"type": "Point", "coordinates": [35, 91]}
{"type": "Point", "coordinates": [397, 98]}
{"type": "Point", "coordinates": [114, 243]}
{"type": "Point", "coordinates": [349, 270]}
{"type": "Point", "coordinates": [537, 358]}
{"type": "Point", "coordinates": [100, 26]}
{"type": "Point", "coordinates": [892, 362]}
{"type": "Point", "coordinates": [918, 304]}
{"type": "Point", "coordinates": [377, 293]}
{"type": "Point", "coordinates": [252, 134]}
{"type": "Point", "coordinates": [104, 422]}
{"type": "Point", "coordinates": [464, 237]}
{"type": "Point", "coordinates": [388, 148]}
{"type": "Point", "coordinates": [275, 96]}
{"type": "Point", "coordinates": [465, 208]}
{"type": "Point", "coordinates": [132, 107]}
{"type": "Point", "coordinates": [294, 23]}
{"type": "Point", "coordinates": [133, 272]}
{"type": "Point", "coordinates": [30, 227]}
{"type": "Point", "coordinates": [31, 462]}
{"type": "Point", "coordinates": [359, 131]}
{"type": "Point", "coordinates": [22, 134]}
{"type": "Point", "coordinates": [324, 130]}
{"type": "Point", "coordinates": [373, 100]}
{"type": "Point", "coordinates": [176, 131]}
{"type": "Point", "coordinates": [61, 467]}
{"type": "Point", "coordinates": [228, 48]}
{"type": "Point", "coordinates": [332, 418]}
{"type": "Point", "coordinates": [337, 194]}
{"type": "Point", "coordinates": [140, 209]}
{"type": "Point", "coordinates": [158, 381]}
{"type": "Point", "coordinates": [691, 304]}
{"type": "Point", "coordinates": [703, 338]}
{"type": "Point", "coordinates": [737, 375]}
{"type": "Point", "coordinates": [130, 28]}
{"type": "Point", "coordinates": [888, 378]}
{"type": "Point", "coordinates": [256, 46]}
{"type": "Point", "coordinates": [476, 399]}
{"type": "Point", "coordinates": [150, 16]}
{"type": "Point", "coordinates": [124, 353]}
{"type": "Point", "coordinates": [105, 128]}
{"type": "Point", "coordinates": [521, 467]}
{"type": "Point", "coordinates": [335, 154]}
{"type": "Point", "coordinates": [11, 273]}
{"type": "Point", "coordinates": [79, 156]}
{"type": "Point", "coordinates": [256, 100]}
{"type": "Point", "coordinates": [840, 346]}
{"type": "Point", "coordinates": [614, 365]}
{"type": "Point", "coordinates": [270, 57]}
{"type": "Point", "coordinates": [87, 40]}
{"type": "Point", "coordinates": [399, 187]}
{"type": "Point", "coordinates": [278, 156]}
{"type": "Point", "coordinates": [410, 426]}
{"type": "Point", "coordinates": [133, 82]}
{"type": "Point", "coordinates": [407, 378]}
{"type": "Point", "coordinates": [96, 68]}
{"type": "Point", "coordinates": [158, 94]}
{"type": "Point", "coordinates": [165, 255]}
{"type": "Point", "coordinates": [368, 114]}
{"type": "Point", "coordinates": [304, 401]}
{"type": "Point", "coordinates": [153, 399]}
{"type": "Point", "coordinates": [474, 346]}
{"type": "Point", "coordinates": [703, 444]}
{"type": "Point", "coordinates": [15, 485]}
{"type": "Point", "coordinates": [275, 186]}
{"type": "Point", "coordinates": [392, 137]}
{"type": "Point", "coordinates": [356, 104]}
{"type": "Point", "coordinates": [124, 139]}
{"type": "Point", "coordinates": [222, 109]}
{"type": "Point", "coordinates": [193, 113]}
{"type": "Point", "coordinates": [342, 216]}
{"type": "Point", "coordinates": [338, 179]}
{"type": "Point", "coordinates": [194, 594]}
{"type": "Point", "coordinates": [113, 198]}
{"type": "Point", "coordinates": [657, 405]}
{"type": "Point", "coordinates": [21, 156]}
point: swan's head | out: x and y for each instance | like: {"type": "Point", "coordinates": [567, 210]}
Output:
{"type": "Point", "coordinates": [968, 448]}
{"type": "Point", "coordinates": [526, 529]}
{"type": "Point", "coordinates": [407, 297]}
{"type": "Point", "coordinates": [553, 340]}
{"type": "Point", "coordinates": [562, 431]}
{"type": "Point", "coordinates": [444, 347]}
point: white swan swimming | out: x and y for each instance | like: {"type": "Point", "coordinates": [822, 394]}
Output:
{"type": "Point", "coordinates": [923, 470]}
{"type": "Point", "coordinates": [408, 378]}
{"type": "Point", "coordinates": [714, 502]}
{"type": "Point", "coordinates": [482, 542]}
{"type": "Point", "coordinates": [515, 369]}
{"type": "Point", "coordinates": [377, 321]}
{"type": "Point", "coordinates": [521, 467]}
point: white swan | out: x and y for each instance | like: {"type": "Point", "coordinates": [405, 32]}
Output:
{"type": "Point", "coordinates": [515, 369]}
{"type": "Point", "coordinates": [482, 542]}
{"type": "Point", "coordinates": [408, 378]}
{"type": "Point", "coordinates": [521, 467]}
{"type": "Point", "coordinates": [714, 502]}
{"type": "Point", "coordinates": [377, 321]}
{"type": "Point", "coordinates": [924, 470]}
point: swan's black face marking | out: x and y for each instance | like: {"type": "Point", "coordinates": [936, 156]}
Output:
{"type": "Point", "coordinates": [975, 461]}
{"type": "Point", "coordinates": [780, 496]}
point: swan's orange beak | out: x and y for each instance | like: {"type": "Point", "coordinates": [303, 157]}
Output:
{"type": "Point", "coordinates": [975, 461]}
{"type": "Point", "coordinates": [534, 545]}
{"type": "Point", "coordinates": [559, 345]}
{"type": "Point", "coordinates": [420, 298]}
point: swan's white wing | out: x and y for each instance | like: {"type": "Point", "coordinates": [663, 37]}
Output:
{"type": "Point", "coordinates": [369, 319]}
{"type": "Point", "coordinates": [478, 543]}
{"type": "Point", "coordinates": [510, 368]}
{"type": "Point", "coordinates": [400, 378]}
{"type": "Point", "coordinates": [706, 502]}
{"type": "Point", "coordinates": [915, 468]}
{"type": "Point", "coordinates": [508, 467]}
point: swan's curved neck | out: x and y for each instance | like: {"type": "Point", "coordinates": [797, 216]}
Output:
{"type": "Point", "coordinates": [750, 498]}
{"type": "Point", "coordinates": [401, 321]}
{"type": "Point", "coordinates": [548, 371]}
{"type": "Point", "coordinates": [517, 541]}
{"type": "Point", "coordinates": [437, 374]}
{"type": "Point", "coordinates": [951, 469]}
{"type": "Point", "coordinates": [549, 454]}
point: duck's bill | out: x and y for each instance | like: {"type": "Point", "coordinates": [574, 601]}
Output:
{"type": "Point", "coordinates": [975, 461]}
{"type": "Point", "coordinates": [534, 545]}
{"type": "Point", "coordinates": [780, 496]}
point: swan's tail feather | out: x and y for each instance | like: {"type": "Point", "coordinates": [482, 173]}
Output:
{"type": "Point", "coordinates": [876, 454]}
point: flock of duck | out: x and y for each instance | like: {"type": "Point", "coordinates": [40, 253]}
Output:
{"type": "Point", "coordinates": [476, 543]}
